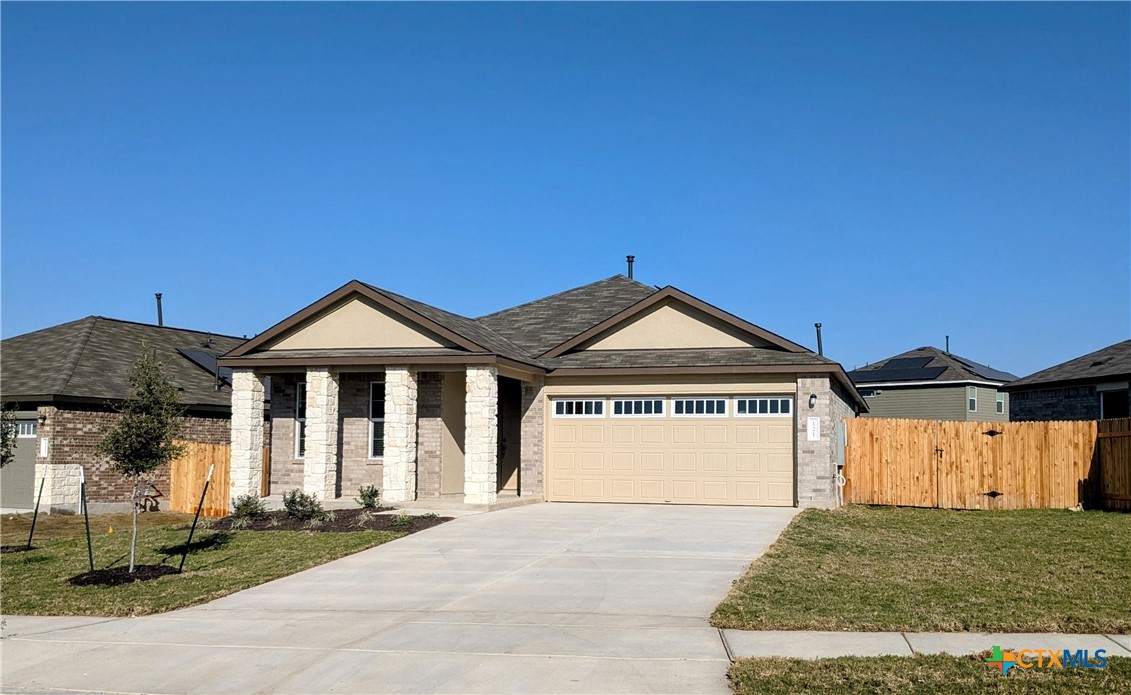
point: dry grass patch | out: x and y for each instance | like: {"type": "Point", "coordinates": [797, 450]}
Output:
{"type": "Point", "coordinates": [883, 568]}
{"type": "Point", "coordinates": [919, 675]}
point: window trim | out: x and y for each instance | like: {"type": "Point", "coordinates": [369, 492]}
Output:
{"type": "Point", "coordinates": [20, 426]}
{"type": "Point", "coordinates": [592, 416]}
{"type": "Point", "coordinates": [373, 421]}
{"type": "Point", "coordinates": [868, 393]}
{"type": "Point", "coordinates": [787, 399]}
{"type": "Point", "coordinates": [300, 422]}
{"type": "Point", "coordinates": [724, 399]}
{"type": "Point", "coordinates": [661, 400]}
{"type": "Point", "coordinates": [999, 403]}
{"type": "Point", "coordinates": [972, 399]}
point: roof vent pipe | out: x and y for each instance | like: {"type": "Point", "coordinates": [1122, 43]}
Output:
{"type": "Point", "coordinates": [160, 318]}
{"type": "Point", "coordinates": [631, 260]}
{"type": "Point", "coordinates": [948, 345]}
{"type": "Point", "coordinates": [820, 345]}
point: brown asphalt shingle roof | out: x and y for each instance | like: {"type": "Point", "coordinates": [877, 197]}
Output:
{"type": "Point", "coordinates": [91, 359]}
{"type": "Point", "coordinates": [546, 323]}
{"type": "Point", "coordinates": [1110, 363]}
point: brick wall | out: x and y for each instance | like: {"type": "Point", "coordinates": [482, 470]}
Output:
{"type": "Point", "coordinates": [286, 470]}
{"type": "Point", "coordinates": [430, 433]}
{"type": "Point", "coordinates": [533, 458]}
{"type": "Point", "coordinates": [817, 460]}
{"type": "Point", "coordinates": [1068, 403]}
{"type": "Point", "coordinates": [354, 467]}
{"type": "Point", "coordinates": [74, 431]}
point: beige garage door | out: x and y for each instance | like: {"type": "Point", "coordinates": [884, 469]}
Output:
{"type": "Point", "coordinates": [597, 455]}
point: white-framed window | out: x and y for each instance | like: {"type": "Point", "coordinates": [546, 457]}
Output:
{"type": "Point", "coordinates": [376, 419]}
{"type": "Point", "coordinates": [972, 398]}
{"type": "Point", "coordinates": [579, 407]}
{"type": "Point", "coordinates": [26, 429]}
{"type": "Point", "coordinates": [868, 393]}
{"type": "Point", "coordinates": [300, 419]}
{"type": "Point", "coordinates": [763, 406]}
{"type": "Point", "coordinates": [699, 407]}
{"type": "Point", "coordinates": [1000, 403]}
{"type": "Point", "coordinates": [638, 407]}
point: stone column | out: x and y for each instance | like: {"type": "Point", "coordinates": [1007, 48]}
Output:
{"type": "Point", "coordinates": [399, 471]}
{"type": "Point", "coordinates": [320, 463]}
{"type": "Point", "coordinates": [245, 476]}
{"type": "Point", "coordinates": [532, 461]}
{"type": "Point", "coordinates": [481, 436]}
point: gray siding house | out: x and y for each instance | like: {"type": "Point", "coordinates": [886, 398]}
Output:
{"type": "Point", "coordinates": [931, 384]}
{"type": "Point", "coordinates": [1091, 387]}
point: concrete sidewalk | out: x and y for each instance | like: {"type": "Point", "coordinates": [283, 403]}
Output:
{"type": "Point", "coordinates": [823, 645]}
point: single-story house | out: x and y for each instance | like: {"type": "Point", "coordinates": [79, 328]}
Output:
{"type": "Point", "coordinates": [1092, 387]}
{"type": "Point", "coordinates": [66, 381]}
{"type": "Point", "coordinates": [932, 384]}
{"type": "Point", "coordinates": [615, 391]}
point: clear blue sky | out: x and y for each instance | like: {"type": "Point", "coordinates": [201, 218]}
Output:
{"type": "Point", "coordinates": [896, 171]}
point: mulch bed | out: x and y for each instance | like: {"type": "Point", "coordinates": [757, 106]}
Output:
{"type": "Point", "coordinates": [15, 548]}
{"type": "Point", "coordinates": [115, 576]}
{"type": "Point", "coordinates": [344, 520]}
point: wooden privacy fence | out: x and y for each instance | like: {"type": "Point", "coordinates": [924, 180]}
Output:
{"type": "Point", "coordinates": [988, 465]}
{"type": "Point", "coordinates": [187, 475]}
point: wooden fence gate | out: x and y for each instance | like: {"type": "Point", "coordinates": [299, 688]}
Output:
{"type": "Point", "coordinates": [1114, 443]}
{"type": "Point", "coordinates": [982, 465]}
{"type": "Point", "coordinates": [187, 475]}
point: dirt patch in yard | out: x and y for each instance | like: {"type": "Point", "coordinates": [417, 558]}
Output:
{"type": "Point", "coordinates": [340, 520]}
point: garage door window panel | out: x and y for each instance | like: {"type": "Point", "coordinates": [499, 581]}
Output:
{"type": "Point", "coordinates": [763, 407]}
{"type": "Point", "coordinates": [638, 407]}
{"type": "Point", "coordinates": [586, 407]}
{"type": "Point", "coordinates": [699, 407]}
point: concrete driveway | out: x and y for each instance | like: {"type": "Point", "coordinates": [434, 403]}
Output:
{"type": "Point", "coordinates": [547, 598]}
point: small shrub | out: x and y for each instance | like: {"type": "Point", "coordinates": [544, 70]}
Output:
{"type": "Point", "coordinates": [273, 522]}
{"type": "Point", "coordinates": [329, 515]}
{"type": "Point", "coordinates": [302, 506]}
{"type": "Point", "coordinates": [240, 522]}
{"type": "Point", "coordinates": [248, 507]}
{"type": "Point", "coordinates": [363, 519]}
{"type": "Point", "coordinates": [430, 515]}
{"type": "Point", "coordinates": [402, 520]}
{"type": "Point", "coordinates": [368, 496]}
{"type": "Point", "coordinates": [314, 522]}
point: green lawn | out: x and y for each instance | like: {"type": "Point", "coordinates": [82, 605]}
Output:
{"type": "Point", "coordinates": [35, 582]}
{"type": "Point", "coordinates": [883, 568]}
{"type": "Point", "coordinates": [919, 675]}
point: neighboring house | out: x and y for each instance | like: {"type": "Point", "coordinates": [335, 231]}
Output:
{"type": "Point", "coordinates": [931, 384]}
{"type": "Point", "coordinates": [1092, 387]}
{"type": "Point", "coordinates": [66, 382]}
{"type": "Point", "coordinates": [611, 392]}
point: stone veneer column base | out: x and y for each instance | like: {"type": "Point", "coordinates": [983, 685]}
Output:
{"type": "Point", "coordinates": [481, 436]}
{"type": "Point", "coordinates": [245, 474]}
{"type": "Point", "coordinates": [399, 474]}
{"type": "Point", "coordinates": [320, 462]}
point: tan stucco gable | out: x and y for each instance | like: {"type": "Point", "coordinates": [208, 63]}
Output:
{"type": "Point", "coordinates": [672, 325]}
{"type": "Point", "coordinates": [357, 322]}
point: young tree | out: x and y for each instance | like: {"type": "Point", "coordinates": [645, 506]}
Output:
{"type": "Point", "coordinates": [142, 438]}
{"type": "Point", "coordinates": [7, 434]}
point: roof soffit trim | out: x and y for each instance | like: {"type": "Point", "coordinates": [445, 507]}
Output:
{"type": "Point", "coordinates": [655, 298]}
{"type": "Point", "coordinates": [345, 291]}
